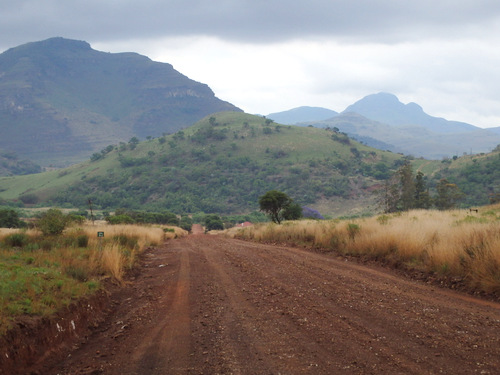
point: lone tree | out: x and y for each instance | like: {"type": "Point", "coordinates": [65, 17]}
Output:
{"type": "Point", "coordinates": [279, 206]}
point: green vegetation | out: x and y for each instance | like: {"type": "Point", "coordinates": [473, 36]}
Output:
{"type": "Point", "coordinates": [228, 160]}
{"type": "Point", "coordinates": [52, 223]}
{"type": "Point", "coordinates": [9, 218]}
{"type": "Point", "coordinates": [221, 165]}
{"type": "Point", "coordinates": [279, 206]}
{"type": "Point", "coordinates": [40, 274]}
{"type": "Point", "coordinates": [213, 222]}
{"type": "Point", "coordinates": [404, 192]}
{"type": "Point", "coordinates": [11, 165]}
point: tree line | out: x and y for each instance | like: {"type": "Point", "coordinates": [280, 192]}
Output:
{"type": "Point", "coordinates": [405, 191]}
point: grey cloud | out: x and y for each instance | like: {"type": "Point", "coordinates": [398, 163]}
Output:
{"type": "Point", "coordinates": [253, 21]}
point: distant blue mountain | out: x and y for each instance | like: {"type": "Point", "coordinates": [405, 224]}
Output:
{"type": "Point", "coordinates": [386, 108]}
{"type": "Point", "coordinates": [382, 121]}
{"type": "Point", "coordinates": [302, 114]}
{"type": "Point", "coordinates": [495, 130]}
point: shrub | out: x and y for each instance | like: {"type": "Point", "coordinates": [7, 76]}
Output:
{"type": "Point", "coordinates": [52, 223]}
{"type": "Point", "coordinates": [10, 219]}
{"type": "Point", "coordinates": [126, 240]}
{"type": "Point", "coordinates": [28, 199]}
{"type": "Point", "coordinates": [83, 240]}
{"type": "Point", "coordinates": [120, 219]}
{"type": "Point", "coordinates": [77, 273]}
{"type": "Point", "coordinates": [213, 222]}
{"type": "Point", "coordinates": [353, 230]}
{"type": "Point", "coordinates": [16, 240]}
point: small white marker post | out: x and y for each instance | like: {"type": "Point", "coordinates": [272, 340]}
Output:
{"type": "Point", "coordinates": [100, 235]}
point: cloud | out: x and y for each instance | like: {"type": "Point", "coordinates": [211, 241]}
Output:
{"type": "Point", "coordinates": [271, 55]}
{"type": "Point", "coordinates": [249, 21]}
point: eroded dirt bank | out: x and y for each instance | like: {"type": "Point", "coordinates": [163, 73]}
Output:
{"type": "Point", "coordinates": [211, 305]}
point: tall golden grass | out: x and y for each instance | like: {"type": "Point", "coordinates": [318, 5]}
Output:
{"type": "Point", "coordinates": [117, 251]}
{"type": "Point", "coordinates": [110, 255]}
{"type": "Point", "coordinates": [450, 243]}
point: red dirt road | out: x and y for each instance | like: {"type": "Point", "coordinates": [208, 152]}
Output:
{"type": "Point", "coordinates": [210, 305]}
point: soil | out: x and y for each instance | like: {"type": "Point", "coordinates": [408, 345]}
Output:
{"type": "Point", "coordinates": [207, 304]}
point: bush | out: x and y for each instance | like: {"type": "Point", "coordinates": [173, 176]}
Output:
{"type": "Point", "coordinates": [213, 222]}
{"type": "Point", "coordinates": [120, 219]}
{"type": "Point", "coordinates": [10, 219]}
{"type": "Point", "coordinates": [29, 199]}
{"type": "Point", "coordinates": [83, 240]}
{"type": "Point", "coordinates": [16, 239]}
{"type": "Point", "coordinates": [128, 241]}
{"type": "Point", "coordinates": [52, 223]}
{"type": "Point", "coordinates": [186, 223]}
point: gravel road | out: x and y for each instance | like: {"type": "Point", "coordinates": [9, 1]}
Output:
{"type": "Point", "coordinates": [212, 305]}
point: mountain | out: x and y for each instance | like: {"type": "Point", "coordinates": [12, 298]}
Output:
{"type": "Point", "coordinates": [60, 100]}
{"type": "Point", "coordinates": [382, 121]}
{"type": "Point", "coordinates": [387, 108]}
{"type": "Point", "coordinates": [302, 114]}
{"type": "Point", "coordinates": [412, 139]}
{"type": "Point", "coordinates": [222, 164]}
{"type": "Point", "coordinates": [495, 130]}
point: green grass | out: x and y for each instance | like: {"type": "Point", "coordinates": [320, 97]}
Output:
{"type": "Point", "coordinates": [31, 284]}
{"type": "Point", "coordinates": [39, 275]}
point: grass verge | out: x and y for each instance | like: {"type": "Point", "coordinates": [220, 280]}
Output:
{"type": "Point", "coordinates": [39, 274]}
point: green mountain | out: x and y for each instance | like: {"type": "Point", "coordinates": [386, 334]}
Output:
{"type": "Point", "coordinates": [222, 164]}
{"type": "Point", "coordinates": [60, 100]}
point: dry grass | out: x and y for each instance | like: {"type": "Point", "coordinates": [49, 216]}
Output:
{"type": "Point", "coordinates": [117, 251]}
{"type": "Point", "coordinates": [39, 275]}
{"type": "Point", "coordinates": [451, 243]}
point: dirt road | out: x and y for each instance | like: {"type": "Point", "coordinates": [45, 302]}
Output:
{"type": "Point", "coordinates": [210, 305]}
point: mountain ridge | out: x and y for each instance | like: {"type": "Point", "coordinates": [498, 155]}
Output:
{"type": "Point", "coordinates": [72, 100]}
{"type": "Point", "coordinates": [382, 121]}
{"type": "Point", "coordinates": [386, 108]}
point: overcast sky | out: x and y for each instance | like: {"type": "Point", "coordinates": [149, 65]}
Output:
{"type": "Point", "coordinates": [272, 55]}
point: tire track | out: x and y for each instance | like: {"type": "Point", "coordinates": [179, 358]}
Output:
{"type": "Point", "coordinates": [168, 345]}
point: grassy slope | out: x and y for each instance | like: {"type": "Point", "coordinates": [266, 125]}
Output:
{"type": "Point", "coordinates": [215, 174]}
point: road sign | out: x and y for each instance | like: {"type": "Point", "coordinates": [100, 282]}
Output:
{"type": "Point", "coordinates": [100, 234]}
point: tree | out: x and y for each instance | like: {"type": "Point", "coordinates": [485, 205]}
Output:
{"type": "Point", "coordinates": [213, 222]}
{"type": "Point", "coordinates": [292, 212]}
{"type": "Point", "coordinates": [275, 204]}
{"type": "Point", "coordinates": [10, 219]}
{"type": "Point", "coordinates": [390, 195]}
{"type": "Point", "coordinates": [422, 197]}
{"type": "Point", "coordinates": [407, 195]}
{"type": "Point", "coordinates": [448, 195]}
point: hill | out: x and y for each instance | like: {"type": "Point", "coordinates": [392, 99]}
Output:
{"type": "Point", "coordinates": [222, 164]}
{"type": "Point", "coordinates": [60, 100]}
{"type": "Point", "coordinates": [302, 114]}
{"type": "Point", "coordinates": [10, 165]}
